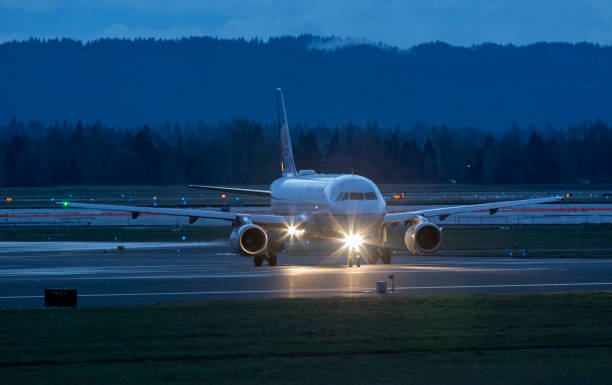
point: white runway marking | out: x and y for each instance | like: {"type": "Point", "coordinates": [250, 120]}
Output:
{"type": "Point", "coordinates": [340, 290]}
{"type": "Point", "coordinates": [506, 285]}
{"type": "Point", "coordinates": [199, 272]}
{"type": "Point", "coordinates": [515, 262]}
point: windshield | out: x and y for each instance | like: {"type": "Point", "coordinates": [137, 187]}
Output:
{"type": "Point", "coordinates": [356, 196]}
{"type": "Point", "coordinates": [371, 196]}
{"type": "Point", "coordinates": [342, 197]}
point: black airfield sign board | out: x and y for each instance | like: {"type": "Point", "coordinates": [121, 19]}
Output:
{"type": "Point", "coordinates": [60, 297]}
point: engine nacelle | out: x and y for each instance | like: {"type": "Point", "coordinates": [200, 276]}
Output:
{"type": "Point", "coordinates": [423, 237]}
{"type": "Point", "coordinates": [249, 239]}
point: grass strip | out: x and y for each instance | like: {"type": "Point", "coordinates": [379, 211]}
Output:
{"type": "Point", "coordinates": [237, 341]}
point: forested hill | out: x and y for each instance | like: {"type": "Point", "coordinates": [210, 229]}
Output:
{"type": "Point", "coordinates": [131, 82]}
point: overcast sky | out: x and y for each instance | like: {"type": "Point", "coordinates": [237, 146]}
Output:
{"type": "Point", "coordinates": [394, 22]}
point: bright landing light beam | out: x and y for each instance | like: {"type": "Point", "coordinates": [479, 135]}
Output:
{"type": "Point", "coordinates": [353, 241]}
{"type": "Point", "coordinates": [294, 231]}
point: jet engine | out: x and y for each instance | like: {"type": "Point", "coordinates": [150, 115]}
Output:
{"type": "Point", "coordinates": [423, 237]}
{"type": "Point", "coordinates": [249, 239]}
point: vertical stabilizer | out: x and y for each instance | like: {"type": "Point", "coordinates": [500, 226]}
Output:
{"type": "Point", "coordinates": [286, 153]}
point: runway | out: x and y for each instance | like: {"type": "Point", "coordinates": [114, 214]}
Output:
{"type": "Point", "coordinates": [209, 272]}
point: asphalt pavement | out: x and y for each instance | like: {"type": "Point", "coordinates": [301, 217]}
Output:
{"type": "Point", "coordinates": [161, 273]}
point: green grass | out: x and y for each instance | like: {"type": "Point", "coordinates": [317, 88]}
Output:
{"type": "Point", "coordinates": [112, 234]}
{"type": "Point", "coordinates": [34, 197]}
{"type": "Point", "coordinates": [463, 339]}
{"type": "Point", "coordinates": [553, 237]}
{"type": "Point", "coordinates": [541, 241]}
{"type": "Point", "coordinates": [538, 240]}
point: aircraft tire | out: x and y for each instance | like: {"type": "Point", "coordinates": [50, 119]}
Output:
{"type": "Point", "coordinates": [386, 256]}
{"type": "Point", "coordinates": [258, 260]}
{"type": "Point", "coordinates": [277, 245]}
{"type": "Point", "coordinates": [272, 258]}
{"type": "Point", "coordinates": [372, 255]}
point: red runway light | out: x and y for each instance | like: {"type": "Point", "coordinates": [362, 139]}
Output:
{"type": "Point", "coordinates": [223, 196]}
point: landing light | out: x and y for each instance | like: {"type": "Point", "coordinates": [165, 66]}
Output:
{"type": "Point", "coordinates": [294, 231]}
{"type": "Point", "coordinates": [353, 241]}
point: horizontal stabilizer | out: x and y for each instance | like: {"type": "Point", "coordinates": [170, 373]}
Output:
{"type": "Point", "coordinates": [234, 190]}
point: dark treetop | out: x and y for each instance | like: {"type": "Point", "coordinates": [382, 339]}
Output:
{"type": "Point", "coordinates": [244, 152]}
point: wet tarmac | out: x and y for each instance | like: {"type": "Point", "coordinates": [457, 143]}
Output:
{"type": "Point", "coordinates": [160, 273]}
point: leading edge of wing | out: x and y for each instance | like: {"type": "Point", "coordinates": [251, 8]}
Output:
{"type": "Point", "coordinates": [444, 211]}
{"type": "Point", "coordinates": [231, 189]}
{"type": "Point", "coordinates": [193, 214]}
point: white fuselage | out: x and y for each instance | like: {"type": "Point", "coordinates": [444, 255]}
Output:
{"type": "Point", "coordinates": [328, 199]}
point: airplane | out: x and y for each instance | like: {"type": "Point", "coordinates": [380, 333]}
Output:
{"type": "Point", "coordinates": [306, 206]}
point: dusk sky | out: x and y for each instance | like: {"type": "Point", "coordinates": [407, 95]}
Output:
{"type": "Point", "coordinates": [397, 23]}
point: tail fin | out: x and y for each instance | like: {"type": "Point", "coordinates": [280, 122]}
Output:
{"type": "Point", "coordinates": [286, 153]}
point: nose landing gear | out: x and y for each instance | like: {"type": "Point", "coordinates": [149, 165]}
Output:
{"type": "Point", "coordinates": [354, 258]}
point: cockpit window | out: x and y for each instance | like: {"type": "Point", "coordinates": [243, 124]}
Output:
{"type": "Point", "coordinates": [371, 196]}
{"type": "Point", "coordinates": [343, 196]}
{"type": "Point", "coordinates": [356, 196]}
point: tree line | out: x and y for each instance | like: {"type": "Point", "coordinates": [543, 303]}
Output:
{"type": "Point", "coordinates": [242, 151]}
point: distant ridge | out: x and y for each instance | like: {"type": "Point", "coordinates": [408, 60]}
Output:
{"type": "Point", "coordinates": [331, 80]}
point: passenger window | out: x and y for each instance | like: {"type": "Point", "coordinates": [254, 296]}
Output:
{"type": "Point", "coordinates": [356, 196]}
{"type": "Point", "coordinates": [371, 196]}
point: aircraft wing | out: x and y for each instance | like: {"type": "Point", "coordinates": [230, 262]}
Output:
{"type": "Point", "coordinates": [193, 214]}
{"type": "Point", "coordinates": [249, 191]}
{"type": "Point", "coordinates": [444, 212]}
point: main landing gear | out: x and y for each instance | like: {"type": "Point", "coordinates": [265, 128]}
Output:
{"type": "Point", "coordinates": [269, 256]}
{"type": "Point", "coordinates": [372, 253]}
{"type": "Point", "coordinates": [385, 255]}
